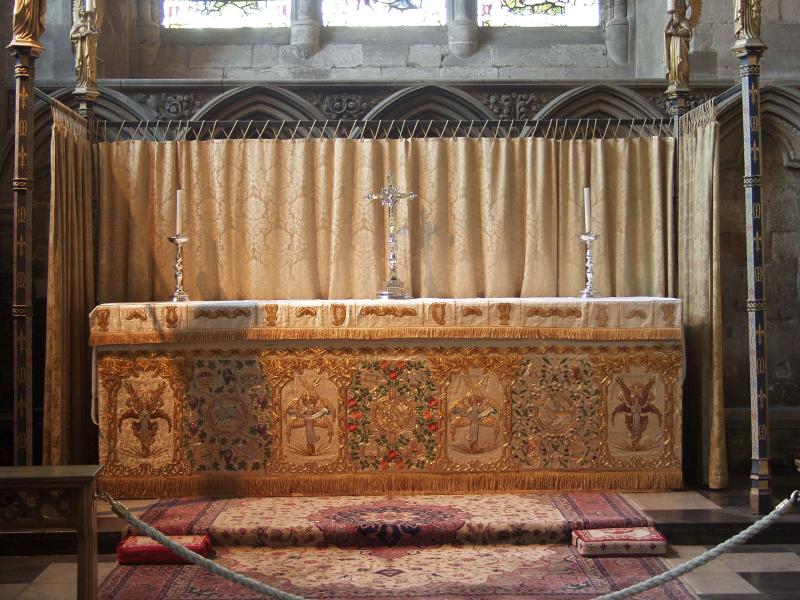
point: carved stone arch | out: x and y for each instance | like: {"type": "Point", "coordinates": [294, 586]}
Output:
{"type": "Point", "coordinates": [780, 121]}
{"type": "Point", "coordinates": [430, 101]}
{"type": "Point", "coordinates": [602, 101]}
{"type": "Point", "coordinates": [258, 103]}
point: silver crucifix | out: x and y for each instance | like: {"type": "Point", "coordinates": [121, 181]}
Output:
{"type": "Point", "coordinates": [389, 196]}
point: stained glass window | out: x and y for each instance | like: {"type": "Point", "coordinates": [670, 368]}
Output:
{"type": "Point", "coordinates": [225, 13]}
{"type": "Point", "coordinates": [538, 13]}
{"type": "Point", "coordinates": [382, 13]}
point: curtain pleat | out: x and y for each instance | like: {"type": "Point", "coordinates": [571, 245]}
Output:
{"type": "Point", "coordinates": [289, 219]}
{"type": "Point", "coordinates": [69, 436]}
{"type": "Point", "coordinates": [699, 282]}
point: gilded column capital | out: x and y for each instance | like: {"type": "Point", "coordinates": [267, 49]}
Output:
{"type": "Point", "coordinates": [84, 34]}
{"type": "Point", "coordinates": [677, 35]}
{"type": "Point", "coordinates": [28, 25]}
{"type": "Point", "coordinates": [747, 27]}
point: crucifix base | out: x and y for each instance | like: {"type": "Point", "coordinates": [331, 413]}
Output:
{"type": "Point", "coordinates": [393, 289]}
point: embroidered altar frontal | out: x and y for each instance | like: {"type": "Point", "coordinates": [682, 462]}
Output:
{"type": "Point", "coordinates": [267, 398]}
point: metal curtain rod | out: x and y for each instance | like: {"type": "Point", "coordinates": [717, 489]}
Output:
{"type": "Point", "coordinates": [42, 96]}
{"type": "Point", "coordinates": [729, 93]}
{"type": "Point", "coordinates": [390, 122]}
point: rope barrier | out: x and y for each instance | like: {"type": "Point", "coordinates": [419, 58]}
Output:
{"type": "Point", "coordinates": [257, 586]}
{"type": "Point", "coordinates": [739, 538]}
{"type": "Point", "coordinates": [201, 561]}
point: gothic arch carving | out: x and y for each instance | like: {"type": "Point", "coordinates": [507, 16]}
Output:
{"type": "Point", "coordinates": [258, 103]}
{"type": "Point", "coordinates": [602, 101]}
{"type": "Point", "coordinates": [780, 121]}
{"type": "Point", "coordinates": [430, 101]}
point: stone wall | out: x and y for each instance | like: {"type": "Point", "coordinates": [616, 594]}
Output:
{"type": "Point", "coordinates": [627, 47]}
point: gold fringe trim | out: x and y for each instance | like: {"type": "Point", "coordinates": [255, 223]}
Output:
{"type": "Point", "coordinates": [399, 483]}
{"type": "Point", "coordinates": [385, 333]}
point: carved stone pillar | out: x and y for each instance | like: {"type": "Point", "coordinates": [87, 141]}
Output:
{"type": "Point", "coordinates": [749, 48]}
{"type": "Point", "coordinates": [306, 22]}
{"type": "Point", "coordinates": [147, 32]}
{"type": "Point", "coordinates": [462, 28]}
{"type": "Point", "coordinates": [617, 32]}
{"type": "Point", "coordinates": [28, 25]}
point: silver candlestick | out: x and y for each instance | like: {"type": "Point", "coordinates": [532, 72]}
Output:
{"type": "Point", "coordinates": [589, 292]}
{"type": "Point", "coordinates": [389, 196]}
{"type": "Point", "coordinates": [179, 240]}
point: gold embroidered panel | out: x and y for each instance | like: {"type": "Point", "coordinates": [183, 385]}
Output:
{"type": "Point", "coordinates": [255, 420]}
{"type": "Point", "coordinates": [615, 319]}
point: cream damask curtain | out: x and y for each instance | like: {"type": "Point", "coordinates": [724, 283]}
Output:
{"type": "Point", "coordinates": [69, 436]}
{"type": "Point", "coordinates": [279, 219]}
{"type": "Point", "coordinates": [699, 281]}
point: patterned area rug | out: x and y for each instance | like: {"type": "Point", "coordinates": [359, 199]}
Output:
{"type": "Point", "coordinates": [342, 521]}
{"type": "Point", "coordinates": [451, 572]}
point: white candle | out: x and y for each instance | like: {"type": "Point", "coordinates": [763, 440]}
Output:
{"type": "Point", "coordinates": [179, 213]}
{"type": "Point", "coordinates": [670, 5]}
{"type": "Point", "coordinates": [89, 5]}
{"type": "Point", "coordinates": [587, 210]}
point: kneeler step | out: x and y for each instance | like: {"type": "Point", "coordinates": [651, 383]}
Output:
{"type": "Point", "coordinates": [141, 550]}
{"type": "Point", "coordinates": [622, 541]}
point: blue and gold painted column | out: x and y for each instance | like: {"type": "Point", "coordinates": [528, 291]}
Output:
{"type": "Point", "coordinates": [28, 25]}
{"type": "Point", "coordinates": [749, 48]}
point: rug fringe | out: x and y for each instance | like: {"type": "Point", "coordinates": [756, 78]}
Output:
{"type": "Point", "coordinates": [400, 483]}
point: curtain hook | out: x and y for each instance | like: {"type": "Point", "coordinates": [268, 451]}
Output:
{"type": "Point", "coordinates": [416, 124]}
{"type": "Point", "coordinates": [485, 124]}
{"type": "Point", "coordinates": [260, 132]}
{"type": "Point", "coordinates": [430, 124]}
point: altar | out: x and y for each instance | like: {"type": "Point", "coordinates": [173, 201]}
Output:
{"type": "Point", "coordinates": [366, 396]}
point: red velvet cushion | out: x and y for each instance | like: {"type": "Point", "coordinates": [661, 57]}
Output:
{"type": "Point", "coordinates": [141, 550]}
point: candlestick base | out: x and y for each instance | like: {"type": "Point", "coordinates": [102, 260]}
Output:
{"type": "Point", "coordinates": [588, 292]}
{"type": "Point", "coordinates": [179, 240]}
{"type": "Point", "coordinates": [393, 289]}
